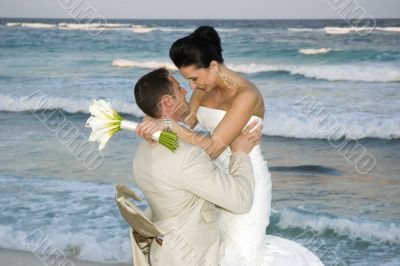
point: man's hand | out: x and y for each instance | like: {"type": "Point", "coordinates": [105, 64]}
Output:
{"type": "Point", "coordinates": [248, 138]}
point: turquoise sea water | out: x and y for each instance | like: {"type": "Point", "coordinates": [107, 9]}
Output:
{"type": "Point", "coordinates": [345, 210]}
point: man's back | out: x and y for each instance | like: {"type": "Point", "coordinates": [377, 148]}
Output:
{"type": "Point", "coordinates": [158, 173]}
{"type": "Point", "coordinates": [182, 189]}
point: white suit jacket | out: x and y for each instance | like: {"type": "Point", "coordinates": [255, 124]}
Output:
{"type": "Point", "coordinates": [183, 190]}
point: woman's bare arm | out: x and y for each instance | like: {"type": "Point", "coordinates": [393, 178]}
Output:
{"type": "Point", "coordinates": [228, 129]}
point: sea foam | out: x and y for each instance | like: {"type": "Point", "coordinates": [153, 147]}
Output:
{"type": "Point", "coordinates": [79, 218]}
{"type": "Point", "coordinates": [371, 231]}
{"type": "Point", "coordinates": [346, 30]}
{"type": "Point", "coordinates": [140, 64]}
{"type": "Point", "coordinates": [108, 26]}
{"type": "Point", "coordinates": [289, 125]}
{"type": "Point", "coordinates": [315, 51]}
{"type": "Point", "coordinates": [348, 72]}
{"type": "Point", "coordinates": [69, 105]}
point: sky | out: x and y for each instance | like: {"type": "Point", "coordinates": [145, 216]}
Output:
{"type": "Point", "coordinates": [200, 9]}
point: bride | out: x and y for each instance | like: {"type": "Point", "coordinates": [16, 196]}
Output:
{"type": "Point", "coordinates": [223, 103]}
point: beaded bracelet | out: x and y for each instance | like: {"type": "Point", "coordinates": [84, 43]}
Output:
{"type": "Point", "coordinates": [167, 123]}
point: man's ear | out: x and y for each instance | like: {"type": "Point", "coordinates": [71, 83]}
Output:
{"type": "Point", "coordinates": [167, 101]}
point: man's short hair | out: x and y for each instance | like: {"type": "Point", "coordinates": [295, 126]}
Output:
{"type": "Point", "coordinates": [150, 89]}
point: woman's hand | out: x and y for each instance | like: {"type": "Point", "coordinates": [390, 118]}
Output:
{"type": "Point", "coordinates": [248, 138]}
{"type": "Point", "coordinates": [149, 126]}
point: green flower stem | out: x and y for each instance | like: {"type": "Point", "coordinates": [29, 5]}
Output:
{"type": "Point", "coordinates": [169, 139]}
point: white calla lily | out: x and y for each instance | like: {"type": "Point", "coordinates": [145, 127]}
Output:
{"type": "Point", "coordinates": [105, 122]}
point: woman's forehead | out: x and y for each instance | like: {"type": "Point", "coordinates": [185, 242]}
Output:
{"type": "Point", "coordinates": [190, 71]}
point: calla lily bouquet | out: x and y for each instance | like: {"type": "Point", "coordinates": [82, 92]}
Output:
{"type": "Point", "coordinates": [105, 122]}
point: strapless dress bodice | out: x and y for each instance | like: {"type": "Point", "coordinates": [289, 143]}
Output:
{"type": "Point", "coordinates": [209, 118]}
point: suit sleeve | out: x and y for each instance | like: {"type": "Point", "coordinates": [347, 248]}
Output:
{"type": "Point", "coordinates": [148, 212]}
{"type": "Point", "coordinates": [233, 192]}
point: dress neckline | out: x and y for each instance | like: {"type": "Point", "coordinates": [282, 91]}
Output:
{"type": "Point", "coordinates": [224, 111]}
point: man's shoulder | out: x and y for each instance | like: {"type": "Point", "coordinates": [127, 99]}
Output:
{"type": "Point", "coordinates": [158, 161]}
{"type": "Point", "coordinates": [159, 151]}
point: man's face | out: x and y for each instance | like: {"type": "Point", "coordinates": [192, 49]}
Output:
{"type": "Point", "coordinates": [180, 107]}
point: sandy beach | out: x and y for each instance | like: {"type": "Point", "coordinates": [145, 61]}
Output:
{"type": "Point", "coordinates": [21, 258]}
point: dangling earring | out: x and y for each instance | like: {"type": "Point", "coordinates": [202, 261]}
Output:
{"type": "Point", "coordinates": [227, 81]}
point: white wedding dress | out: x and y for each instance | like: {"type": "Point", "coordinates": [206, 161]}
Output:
{"type": "Point", "coordinates": [243, 236]}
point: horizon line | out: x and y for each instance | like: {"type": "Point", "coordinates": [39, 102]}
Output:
{"type": "Point", "coordinates": [219, 19]}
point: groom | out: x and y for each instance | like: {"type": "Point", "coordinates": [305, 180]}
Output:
{"type": "Point", "coordinates": [183, 188]}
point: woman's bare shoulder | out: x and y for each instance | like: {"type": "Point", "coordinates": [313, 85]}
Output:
{"type": "Point", "coordinates": [249, 91]}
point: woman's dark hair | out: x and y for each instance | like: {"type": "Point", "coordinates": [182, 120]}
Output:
{"type": "Point", "coordinates": [199, 48]}
{"type": "Point", "coordinates": [150, 89]}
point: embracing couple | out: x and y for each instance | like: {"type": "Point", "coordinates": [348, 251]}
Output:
{"type": "Point", "coordinates": [212, 197]}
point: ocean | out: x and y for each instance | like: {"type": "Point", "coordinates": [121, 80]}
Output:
{"type": "Point", "coordinates": [331, 131]}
